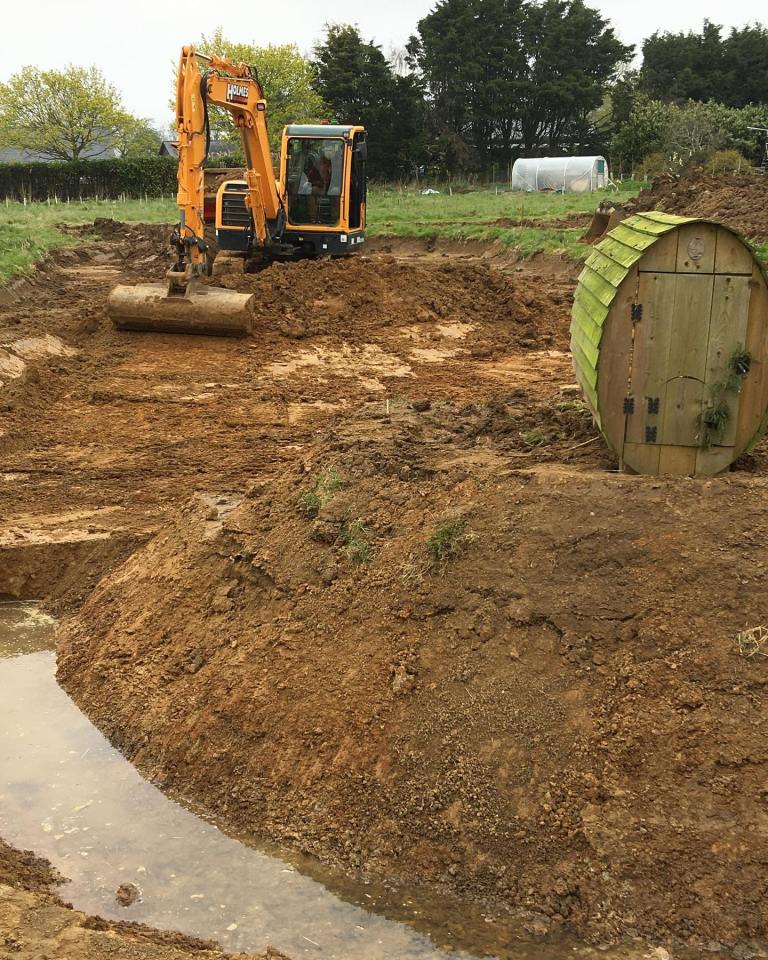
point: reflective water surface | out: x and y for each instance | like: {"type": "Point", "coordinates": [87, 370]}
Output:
{"type": "Point", "coordinates": [24, 628]}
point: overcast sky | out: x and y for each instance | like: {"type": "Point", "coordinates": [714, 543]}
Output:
{"type": "Point", "coordinates": [134, 43]}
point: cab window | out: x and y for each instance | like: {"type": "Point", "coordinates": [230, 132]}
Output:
{"type": "Point", "coordinates": [314, 178]}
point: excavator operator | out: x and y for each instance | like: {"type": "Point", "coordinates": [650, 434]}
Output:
{"type": "Point", "coordinates": [318, 173]}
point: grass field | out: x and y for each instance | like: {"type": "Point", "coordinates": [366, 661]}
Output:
{"type": "Point", "coordinates": [26, 232]}
{"type": "Point", "coordinates": [476, 215]}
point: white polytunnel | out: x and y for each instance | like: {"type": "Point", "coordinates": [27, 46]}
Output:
{"type": "Point", "coordinates": [566, 174]}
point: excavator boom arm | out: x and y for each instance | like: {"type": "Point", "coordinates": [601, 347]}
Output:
{"type": "Point", "coordinates": [245, 102]}
{"type": "Point", "coordinates": [233, 87]}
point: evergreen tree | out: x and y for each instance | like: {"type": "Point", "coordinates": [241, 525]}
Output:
{"type": "Point", "coordinates": [705, 66]}
{"type": "Point", "coordinates": [512, 76]}
{"type": "Point", "coordinates": [359, 85]}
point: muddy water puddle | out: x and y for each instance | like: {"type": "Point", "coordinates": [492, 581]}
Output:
{"type": "Point", "coordinates": [23, 629]}
{"type": "Point", "coordinates": [67, 794]}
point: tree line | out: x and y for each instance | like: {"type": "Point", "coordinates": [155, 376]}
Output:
{"type": "Point", "coordinates": [479, 83]}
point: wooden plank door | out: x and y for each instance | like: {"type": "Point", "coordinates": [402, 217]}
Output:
{"type": "Point", "coordinates": [648, 372]}
{"type": "Point", "coordinates": [667, 377]}
{"type": "Point", "coordinates": [727, 335]}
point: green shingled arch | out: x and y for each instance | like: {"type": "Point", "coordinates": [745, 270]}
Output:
{"type": "Point", "coordinates": [605, 270]}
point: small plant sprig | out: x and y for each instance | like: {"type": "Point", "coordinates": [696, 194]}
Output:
{"type": "Point", "coordinates": [715, 417]}
{"type": "Point", "coordinates": [714, 420]}
{"type": "Point", "coordinates": [534, 438]}
{"type": "Point", "coordinates": [327, 483]}
{"type": "Point", "coordinates": [449, 539]}
{"type": "Point", "coordinates": [751, 642]}
{"type": "Point", "coordinates": [356, 539]}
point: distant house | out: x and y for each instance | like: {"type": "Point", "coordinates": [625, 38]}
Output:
{"type": "Point", "coordinates": [218, 148]}
{"type": "Point", "coordinates": [94, 152]}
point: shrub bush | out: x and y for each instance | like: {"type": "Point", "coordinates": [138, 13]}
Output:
{"type": "Point", "coordinates": [79, 179]}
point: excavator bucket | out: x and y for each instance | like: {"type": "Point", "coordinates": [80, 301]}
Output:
{"type": "Point", "coordinates": [597, 226]}
{"type": "Point", "coordinates": [604, 219]}
{"type": "Point", "coordinates": [199, 309]}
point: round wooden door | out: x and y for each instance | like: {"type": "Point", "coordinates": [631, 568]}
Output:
{"type": "Point", "coordinates": [690, 320]}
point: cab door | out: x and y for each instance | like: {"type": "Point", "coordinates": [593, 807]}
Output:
{"type": "Point", "coordinates": [358, 182]}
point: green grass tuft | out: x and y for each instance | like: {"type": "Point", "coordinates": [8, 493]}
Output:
{"type": "Point", "coordinates": [449, 539]}
{"type": "Point", "coordinates": [356, 539]}
{"type": "Point", "coordinates": [534, 438]}
{"type": "Point", "coordinates": [310, 503]}
{"type": "Point", "coordinates": [325, 485]}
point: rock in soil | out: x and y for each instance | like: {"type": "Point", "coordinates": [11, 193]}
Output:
{"type": "Point", "coordinates": [127, 894]}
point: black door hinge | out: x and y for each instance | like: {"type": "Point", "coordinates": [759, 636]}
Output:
{"type": "Point", "coordinates": [653, 404]}
{"type": "Point", "coordinates": [650, 434]}
{"type": "Point", "coordinates": [636, 312]}
{"type": "Point", "coordinates": [629, 404]}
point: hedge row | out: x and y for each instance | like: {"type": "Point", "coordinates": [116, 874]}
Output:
{"type": "Point", "coordinates": [76, 179]}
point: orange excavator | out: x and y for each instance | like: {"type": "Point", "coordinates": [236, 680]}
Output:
{"type": "Point", "coordinates": [314, 208]}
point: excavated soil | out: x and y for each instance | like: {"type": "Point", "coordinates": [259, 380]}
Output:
{"type": "Point", "coordinates": [103, 433]}
{"type": "Point", "coordinates": [390, 601]}
{"type": "Point", "coordinates": [36, 923]}
{"type": "Point", "coordinates": [738, 201]}
{"type": "Point", "coordinates": [555, 715]}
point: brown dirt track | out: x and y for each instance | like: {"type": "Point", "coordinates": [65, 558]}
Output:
{"type": "Point", "coordinates": [555, 719]}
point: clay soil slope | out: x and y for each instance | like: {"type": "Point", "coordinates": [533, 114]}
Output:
{"type": "Point", "coordinates": [424, 657]}
{"type": "Point", "coordinates": [394, 605]}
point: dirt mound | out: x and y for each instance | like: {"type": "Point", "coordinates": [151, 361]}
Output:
{"type": "Point", "coordinates": [354, 296]}
{"type": "Point", "coordinates": [143, 248]}
{"type": "Point", "coordinates": [421, 655]}
{"type": "Point", "coordinates": [738, 201]}
{"type": "Point", "coordinates": [109, 229]}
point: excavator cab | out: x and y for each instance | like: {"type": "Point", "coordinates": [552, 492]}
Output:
{"type": "Point", "coordinates": [323, 191]}
{"type": "Point", "coordinates": [323, 172]}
